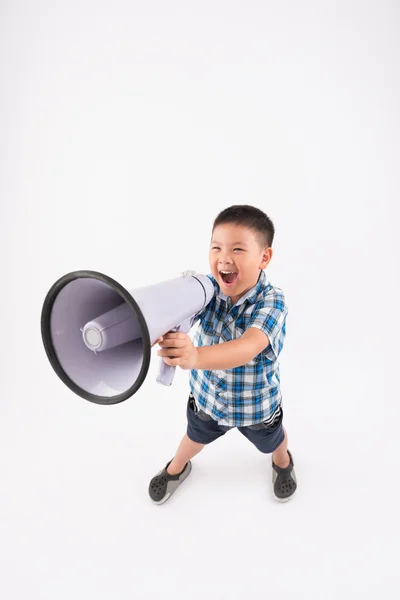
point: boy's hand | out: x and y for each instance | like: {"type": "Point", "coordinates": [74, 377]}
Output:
{"type": "Point", "coordinates": [178, 351]}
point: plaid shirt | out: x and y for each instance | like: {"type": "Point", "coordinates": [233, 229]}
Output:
{"type": "Point", "coordinates": [251, 393]}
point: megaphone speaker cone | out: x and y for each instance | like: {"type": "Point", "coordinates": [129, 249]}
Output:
{"type": "Point", "coordinates": [96, 337]}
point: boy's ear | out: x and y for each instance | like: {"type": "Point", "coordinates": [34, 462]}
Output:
{"type": "Point", "coordinates": [266, 257]}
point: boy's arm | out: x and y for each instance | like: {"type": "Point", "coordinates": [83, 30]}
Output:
{"type": "Point", "coordinates": [266, 330]}
{"type": "Point", "coordinates": [229, 355]}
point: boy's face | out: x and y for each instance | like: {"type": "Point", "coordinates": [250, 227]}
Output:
{"type": "Point", "coordinates": [236, 250]}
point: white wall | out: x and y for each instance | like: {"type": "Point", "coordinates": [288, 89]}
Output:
{"type": "Point", "coordinates": [125, 128]}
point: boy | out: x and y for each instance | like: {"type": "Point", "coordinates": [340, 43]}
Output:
{"type": "Point", "coordinates": [235, 380]}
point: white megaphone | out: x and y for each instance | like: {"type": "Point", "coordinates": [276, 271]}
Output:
{"type": "Point", "coordinates": [98, 336]}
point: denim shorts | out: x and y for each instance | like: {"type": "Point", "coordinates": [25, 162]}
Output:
{"type": "Point", "coordinates": [201, 428]}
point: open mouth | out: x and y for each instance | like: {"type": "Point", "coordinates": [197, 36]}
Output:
{"type": "Point", "coordinates": [228, 277]}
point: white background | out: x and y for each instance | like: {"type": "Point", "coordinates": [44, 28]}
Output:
{"type": "Point", "coordinates": [125, 128]}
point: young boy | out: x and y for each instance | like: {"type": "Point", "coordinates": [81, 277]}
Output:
{"type": "Point", "coordinates": [235, 380]}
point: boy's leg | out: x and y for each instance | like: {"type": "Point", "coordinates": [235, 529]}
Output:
{"type": "Point", "coordinates": [280, 456]}
{"type": "Point", "coordinates": [186, 451]}
{"type": "Point", "coordinates": [202, 430]}
{"type": "Point", "coordinates": [272, 439]}
{"type": "Point", "coordinates": [284, 479]}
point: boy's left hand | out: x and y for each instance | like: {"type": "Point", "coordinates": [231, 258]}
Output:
{"type": "Point", "coordinates": [178, 351]}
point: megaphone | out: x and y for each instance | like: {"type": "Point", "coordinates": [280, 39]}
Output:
{"type": "Point", "coordinates": [98, 336]}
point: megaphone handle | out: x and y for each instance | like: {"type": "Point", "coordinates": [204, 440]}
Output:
{"type": "Point", "coordinates": [166, 372]}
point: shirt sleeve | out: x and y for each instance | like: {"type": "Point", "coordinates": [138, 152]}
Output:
{"type": "Point", "coordinates": [270, 317]}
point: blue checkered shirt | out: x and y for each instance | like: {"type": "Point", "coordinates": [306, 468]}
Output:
{"type": "Point", "coordinates": [251, 393]}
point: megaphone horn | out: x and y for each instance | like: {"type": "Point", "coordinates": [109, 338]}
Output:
{"type": "Point", "coordinates": [98, 336]}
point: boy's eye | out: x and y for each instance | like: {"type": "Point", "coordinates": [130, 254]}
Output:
{"type": "Point", "coordinates": [217, 248]}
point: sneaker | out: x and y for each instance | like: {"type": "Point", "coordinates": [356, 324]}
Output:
{"type": "Point", "coordinates": [163, 485]}
{"type": "Point", "coordinates": [284, 481]}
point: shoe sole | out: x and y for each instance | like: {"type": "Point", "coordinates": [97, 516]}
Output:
{"type": "Point", "coordinates": [282, 500]}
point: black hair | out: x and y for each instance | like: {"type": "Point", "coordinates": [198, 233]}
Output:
{"type": "Point", "coordinates": [251, 217]}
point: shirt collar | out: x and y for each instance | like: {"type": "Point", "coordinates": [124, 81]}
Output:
{"type": "Point", "coordinates": [250, 296]}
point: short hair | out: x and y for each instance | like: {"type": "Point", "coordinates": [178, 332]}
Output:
{"type": "Point", "coordinates": [251, 217]}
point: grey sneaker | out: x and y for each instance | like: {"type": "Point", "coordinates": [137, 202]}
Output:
{"type": "Point", "coordinates": [284, 481]}
{"type": "Point", "coordinates": [163, 485]}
